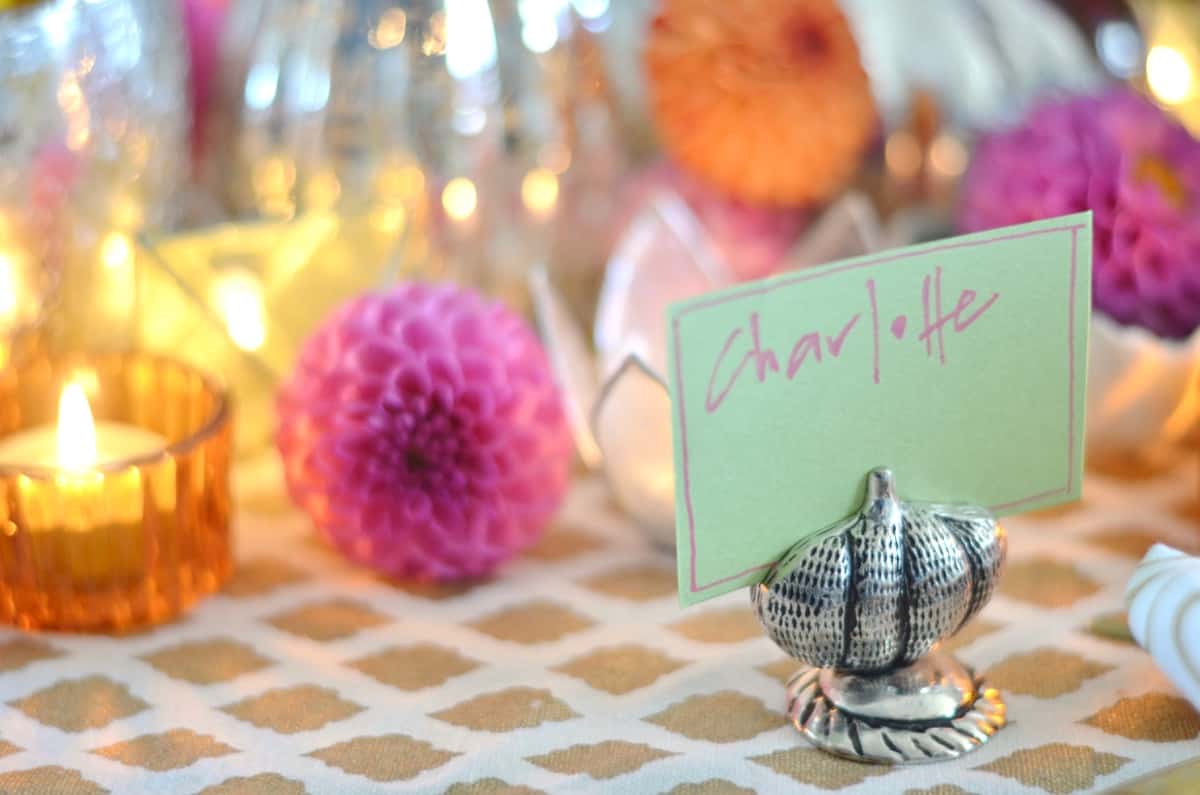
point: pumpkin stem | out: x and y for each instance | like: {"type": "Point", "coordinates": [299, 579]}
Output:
{"type": "Point", "coordinates": [881, 485]}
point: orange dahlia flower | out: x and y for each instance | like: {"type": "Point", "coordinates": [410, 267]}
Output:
{"type": "Point", "coordinates": [767, 100]}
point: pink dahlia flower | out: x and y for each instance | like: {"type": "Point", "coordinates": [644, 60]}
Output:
{"type": "Point", "coordinates": [1137, 169]}
{"type": "Point", "coordinates": [423, 432]}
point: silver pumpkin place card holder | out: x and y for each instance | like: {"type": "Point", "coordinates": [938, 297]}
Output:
{"type": "Point", "coordinates": [788, 392]}
{"type": "Point", "coordinates": [863, 604]}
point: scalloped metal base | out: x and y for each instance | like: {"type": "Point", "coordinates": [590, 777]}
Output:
{"type": "Point", "coordinates": [893, 719]}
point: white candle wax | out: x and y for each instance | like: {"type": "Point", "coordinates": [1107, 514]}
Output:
{"type": "Point", "coordinates": [76, 442]}
{"type": "Point", "coordinates": [115, 441]}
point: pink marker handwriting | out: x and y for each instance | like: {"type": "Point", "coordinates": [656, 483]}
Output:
{"type": "Point", "coordinates": [745, 358]}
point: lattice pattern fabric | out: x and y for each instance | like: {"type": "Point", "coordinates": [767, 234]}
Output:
{"type": "Point", "coordinates": [574, 671]}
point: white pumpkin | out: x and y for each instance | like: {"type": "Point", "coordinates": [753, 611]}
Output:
{"type": "Point", "coordinates": [1163, 599]}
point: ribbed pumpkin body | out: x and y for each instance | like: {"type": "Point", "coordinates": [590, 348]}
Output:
{"type": "Point", "coordinates": [877, 591]}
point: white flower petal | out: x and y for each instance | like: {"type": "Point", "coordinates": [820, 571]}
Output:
{"type": "Point", "coordinates": [632, 425]}
{"type": "Point", "coordinates": [1142, 395]}
{"type": "Point", "coordinates": [662, 257]}
{"type": "Point", "coordinates": [572, 361]}
{"type": "Point", "coordinates": [848, 228]}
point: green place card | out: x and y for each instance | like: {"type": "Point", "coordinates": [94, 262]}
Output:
{"type": "Point", "coordinates": [960, 364]}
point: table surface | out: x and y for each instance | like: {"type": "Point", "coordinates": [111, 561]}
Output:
{"type": "Point", "coordinates": [574, 671]}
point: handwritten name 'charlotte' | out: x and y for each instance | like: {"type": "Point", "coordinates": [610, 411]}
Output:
{"type": "Point", "coordinates": [744, 358]}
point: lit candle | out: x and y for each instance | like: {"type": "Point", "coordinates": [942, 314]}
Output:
{"type": "Point", "coordinates": [110, 524]}
{"type": "Point", "coordinates": [77, 443]}
{"type": "Point", "coordinates": [86, 520]}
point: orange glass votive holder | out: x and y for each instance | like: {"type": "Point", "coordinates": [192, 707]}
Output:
{"type": "Point", "coordinates": [134, 538]}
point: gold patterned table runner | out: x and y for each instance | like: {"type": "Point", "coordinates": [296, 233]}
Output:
{"type": "Point", "coordinates": [575, 671]}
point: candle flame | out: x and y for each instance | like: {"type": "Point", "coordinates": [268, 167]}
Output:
{"type": "Point", "coordinates": [76, 435]}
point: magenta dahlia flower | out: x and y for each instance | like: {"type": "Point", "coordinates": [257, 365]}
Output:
{"type": "Point", "coordinates": [423, 432]}
{"type": "Point", "coordinates": [1137, 169]}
